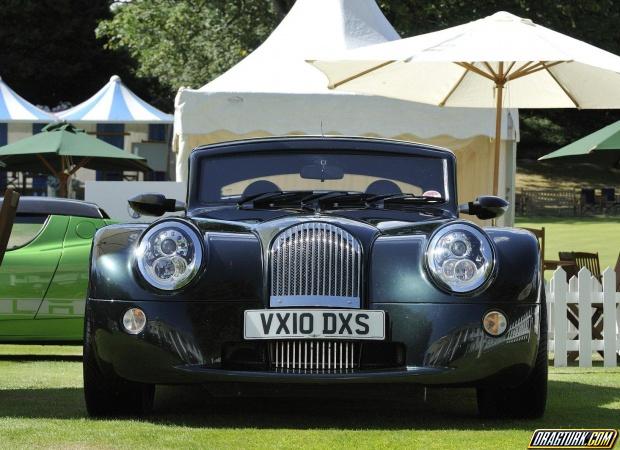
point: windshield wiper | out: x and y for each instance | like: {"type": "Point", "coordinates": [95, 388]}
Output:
{"type": "Point", "coordinates": [404, 201]}
{"type": "Point", "coordinates": [342, 199]}
{"type": "Point", "coordinates": [327, 200]}
{"type": "Point", "coordinates": [307, 200]}
{"type": "Point", "coordinates": [276, 199]}
{"type": "Point", "coordinates": [354, 199]}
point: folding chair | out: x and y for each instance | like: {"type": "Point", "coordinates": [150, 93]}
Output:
{"type": "Point", "coordinates": [571, 270]}
{"type": "Point", "coordinates": [590, 261]}
{"type": "Point", "coordinates": [540, 235]}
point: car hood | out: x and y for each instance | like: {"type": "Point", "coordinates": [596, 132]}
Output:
{"type": "Point", "coordinates": [366, 228]}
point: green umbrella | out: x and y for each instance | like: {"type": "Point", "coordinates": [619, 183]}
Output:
{"type": "Point", "coordinates": [602, 146]}
{"type": "Point", "coordinates": [61, 149]}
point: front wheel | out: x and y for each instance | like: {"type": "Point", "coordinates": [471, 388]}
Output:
{"type": "Point", "coordinates": [108, 395]}
{"type": "Point", "coordinates": [527, 401]}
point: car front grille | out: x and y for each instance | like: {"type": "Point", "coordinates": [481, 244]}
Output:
{"type": "Point", "coordinates": [315, 264]}
{"type": "Point", "coordinates": [314, 356]}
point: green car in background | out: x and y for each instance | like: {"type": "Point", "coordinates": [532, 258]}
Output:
{"type": "Point", "coordinates": [44, 275]}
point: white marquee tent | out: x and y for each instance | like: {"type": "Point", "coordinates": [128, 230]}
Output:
{"type": "Point", "coordinates": [18, 119]}
{"type": "Point", "coordinates": [114, 103]}
{"type": "Point", "coordinates": [118, 116]}
{"type": "Point", "coordinates": [273, 91]}
{"type": "Point", "coordinates": [14, 108]}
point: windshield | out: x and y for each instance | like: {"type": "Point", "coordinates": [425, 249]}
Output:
{"type": "Point", "coordinates": [229, 178]}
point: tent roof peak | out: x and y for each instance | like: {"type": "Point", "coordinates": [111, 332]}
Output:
{"type": "Point", "coordinates": [310, 27]}
{"type": "Point", "coordinates": [114, 103]}
{"type": "Point", "coordinates": [504, 16]}
{"type": "Point", "coordinates": [14, 108]}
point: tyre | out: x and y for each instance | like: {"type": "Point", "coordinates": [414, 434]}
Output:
{"type": "Point", "coordinates": [528, 400]}
{"type": "Point", "coordinates": [108, 395]}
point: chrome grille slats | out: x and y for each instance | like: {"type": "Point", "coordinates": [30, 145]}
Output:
{"type": "Point", "coordinates": [313, 262]}
{"type": "Point", "coordinates": [336, 250]}
{"type": "Point", "coordinates": [305, 239]}
{"type": "Point", "coordinates": [324, 253]}
{"type": "Point", "coordinates": [340, 247]}
{"type": "Point", "coordinates": [290, 266]}
{"type": "Point", "coordinates": [331, 250]}
{"type": "Point", "coordinates": [310, 356]}
{"type": "Point", "coordinates": [312, 259]}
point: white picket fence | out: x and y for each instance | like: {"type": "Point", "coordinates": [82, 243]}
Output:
{"type": "Point", "coordinates": [599, 301]}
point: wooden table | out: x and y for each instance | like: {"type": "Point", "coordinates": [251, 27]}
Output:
{"type": "Point", "coordinates": [552, 264]}
{"type": "Point", "coordinates": [572, 312]}
{"type": "Point", "coordinates": [572, 309]}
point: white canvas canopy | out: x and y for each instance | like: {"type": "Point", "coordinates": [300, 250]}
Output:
{"type": "Point", "coordinates": [273, 91]}
{"type": "Point", "coordinates": [114, 103]}
{"type": "Point", "coordinates": [501, 60]}
{"type": "Point", "coordinates": [14, 108]}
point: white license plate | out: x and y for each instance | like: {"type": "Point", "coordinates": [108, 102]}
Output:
{"type": "Point", "coordinates": [313, 324]}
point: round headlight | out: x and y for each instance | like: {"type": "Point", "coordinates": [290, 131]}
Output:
{"type": "Point", "coordinates": [460, 257]}
{"type": "Point", "coordinates": [169, 254]}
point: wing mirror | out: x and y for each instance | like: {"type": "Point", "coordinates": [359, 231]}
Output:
{"type": "Point", "coordinates": [155, 204]}
{"type": "Point", "coordinates": [485, 207]}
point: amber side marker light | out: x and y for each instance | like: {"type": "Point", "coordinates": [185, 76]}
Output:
{"type": "Point", "coordinates": [134, 320]}
{"type": "Point", "coordinates": [494, 323]}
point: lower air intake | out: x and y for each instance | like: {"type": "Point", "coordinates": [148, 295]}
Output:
{"type": "Point", "coordinates": [305, 356]}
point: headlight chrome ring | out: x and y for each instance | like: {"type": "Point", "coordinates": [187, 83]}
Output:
{"type": "Point", "coordinates": [170, 254]}
{"type": "Point", "coordinates": [460, 257]}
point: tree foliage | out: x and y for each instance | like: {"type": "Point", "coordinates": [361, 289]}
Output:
{"type": "Point", "coordinates": [187, 43]}
{"type": "Point", "coordinates": [49, 52]}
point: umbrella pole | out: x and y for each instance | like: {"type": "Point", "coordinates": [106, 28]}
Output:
{"type": "Point", "coordinates": [63, 179]}
{"type": "Point", "coordinates": [63, 176]}
{"type": "Point", "coordinates": [498, 135]}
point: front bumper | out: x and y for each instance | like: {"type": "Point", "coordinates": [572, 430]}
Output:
{"type": "Point", "coordinates": [444, 344]}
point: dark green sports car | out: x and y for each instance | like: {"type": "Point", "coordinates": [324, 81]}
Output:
{"type": "Point", "coordinates": [44, 275]}
{"type": "Point", "coordinates": [305, 262]}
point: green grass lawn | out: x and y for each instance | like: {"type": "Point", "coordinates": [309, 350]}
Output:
{"type": "Point", "coordinates": [584, 234]}
{"type": "Point", "coordinates": [41, 405]}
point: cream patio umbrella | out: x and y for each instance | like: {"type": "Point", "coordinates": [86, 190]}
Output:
{"type": "Point", "coordinates": [499, 61]}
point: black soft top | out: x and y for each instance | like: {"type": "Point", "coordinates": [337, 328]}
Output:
{"type": "Point", "coordinates": [59, 207]}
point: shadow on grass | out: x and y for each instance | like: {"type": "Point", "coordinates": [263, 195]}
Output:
{"type": "Point", "coordinates": [578, 173]}
{"type": "Point", "coordinates": [570, 405]}
{"type": "Point", "coordinates": [61, 403]}
{"type": "Point", "coordinates": [30, 358]}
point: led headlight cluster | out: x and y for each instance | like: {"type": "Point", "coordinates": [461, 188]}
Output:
{"type": "Point", "coordinates": [460, 257]}
{"type": "Point", "coordinates": [169, 254]}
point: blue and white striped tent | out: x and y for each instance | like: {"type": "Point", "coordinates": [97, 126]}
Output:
{"type": "Point", "coordinates": [115, 103]}
{"type": "Point", "coordinates": [13, 108]}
